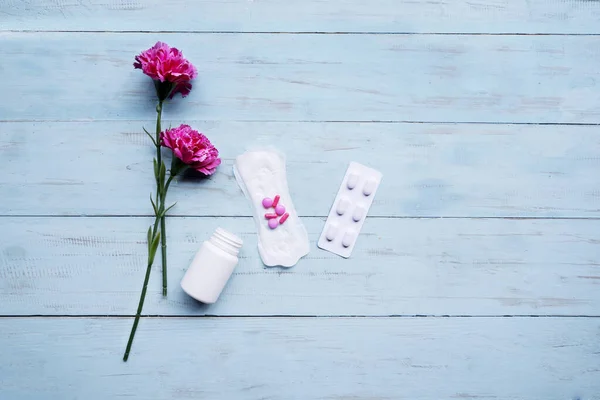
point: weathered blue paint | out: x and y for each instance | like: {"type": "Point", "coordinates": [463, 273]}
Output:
{"type": "Point", "coordinates": [475, 277]}
{"type": "Point", "coordinates": [379, 16]}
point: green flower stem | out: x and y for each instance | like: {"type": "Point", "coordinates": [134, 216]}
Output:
{"type": "Point", "coordinates": [158, 130]}
{"type": "Point", "coordinates": [163, 249]}
{"type": "Point", "coordinates": [152, 245]}
{"type": "Point", "coordinates": [161, 193]}
{"type": "Point", "coordinates": [163, 236]}
{"type": "Point", "coordinates": [153, 234]}
{"type": "Point", "coordinates": [137, 315]}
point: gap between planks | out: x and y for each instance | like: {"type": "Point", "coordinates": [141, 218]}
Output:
{"type": "Point", "coordinates": [292, 316]}
{"type": "Point", "coordinates": [228, 32]}
{"type": "Point", "coordinates": [267, 121]}
{"type": "Point", "coordinates": [302, 216]}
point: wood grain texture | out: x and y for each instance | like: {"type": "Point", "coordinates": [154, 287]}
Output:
{"type": "Point", "coordinates": [95, 266]}
{"type": "Point", "coordinates": [445, 16]}
{"type": "Point", "coordinates": [283, 358]}
{"type": "Point", "coordinates": [508, 308]}
{"type": "Point", "coordinates": [104, 168]}
{"type": "Point", "coordinates": [264, 77]}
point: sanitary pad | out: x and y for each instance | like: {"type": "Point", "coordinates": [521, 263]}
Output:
{"type": "Point", "coordinates": [261, 174]}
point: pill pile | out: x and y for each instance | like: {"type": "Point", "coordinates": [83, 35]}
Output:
{"type": "Point", "coordinates": [279, 211]}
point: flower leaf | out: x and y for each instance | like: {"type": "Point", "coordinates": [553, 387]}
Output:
{"type": "Point", "coordinates": [149, 237]}
{"type": "Point", "coordinates": [171, 206]}
{"type": "Point", "coordinates": [155, 241]}
{"type": "Point", "coordinates": [153, 205]}
{"type": "Point", "coordinates": [155, 168]}
{"type": "Point", "coordinates": [161, 174]}
{"type": "Point", "coordinates": [153, 247]}
{"type": "Point", "coordinates": [150, 136]}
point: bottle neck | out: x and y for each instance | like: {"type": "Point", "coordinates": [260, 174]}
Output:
{"type": "Point", "coordinates": [226, 241]}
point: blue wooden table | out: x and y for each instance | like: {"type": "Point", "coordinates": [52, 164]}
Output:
{"type": "Point", "coordinates": [476, 275]}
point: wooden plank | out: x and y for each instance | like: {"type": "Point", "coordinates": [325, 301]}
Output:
{"type": "Point", "coordinates": [444, 16]}
{"type": "Point", "coordinates": [95, 266]}
{"type": "Point", "coordinates": [439, 78]}
{"type": "Point", "coordinates": [287, 358]}
{"type": "Point", "coordinates": [429, 170]}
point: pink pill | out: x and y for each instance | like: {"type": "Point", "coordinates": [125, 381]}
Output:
{"type": "Point", "coordinates": [275, 201]}
{"type": "Point", "coordinates": [273, 223]}
{"type": "Point", "coordinates": [270, 215]}
{"type": "Point", "coordinates": [279, 210]}
{"type": "Point", "coordinates": [267, 202]}
{"type": "Point", "coordinates": [284, 218]}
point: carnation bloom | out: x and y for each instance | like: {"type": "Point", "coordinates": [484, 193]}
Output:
{"type": "Point", "coordinates": [191, 147]}
{"type": "Point", "coordinates": [167, 64]}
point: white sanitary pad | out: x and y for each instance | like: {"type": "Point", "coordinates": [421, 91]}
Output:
{"type": "Point", "coordinates": [262, 174]}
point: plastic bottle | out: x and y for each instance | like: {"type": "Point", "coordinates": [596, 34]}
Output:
{"type": "Point", "coordinates": [212, 266]}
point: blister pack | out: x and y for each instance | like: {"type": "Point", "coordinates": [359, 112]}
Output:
{"type": "Point", "coordinates": [350, 208]}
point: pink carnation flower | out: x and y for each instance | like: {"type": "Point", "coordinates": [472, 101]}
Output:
{"type": "Point", "coordinates": [167, 64]}
{"type": "Point", "coordinates": [191, 147]}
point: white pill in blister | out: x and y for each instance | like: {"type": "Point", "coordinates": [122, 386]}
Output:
{"type": "Point", "coordinates": [358, 214]}
{"type": "Point", "coordinates": [331, 232]}
{"type": "Point", "coordinates": [342, 206]}
{"type": "Point", "coordinates": [348, 239]}
{"type": "Point", "coordinates": [369, 187]}
{"type": "Point", "coordinates": [352, 181]}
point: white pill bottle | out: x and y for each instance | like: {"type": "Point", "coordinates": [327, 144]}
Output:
{"type": "Point", "coordinates": [212, 266]}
